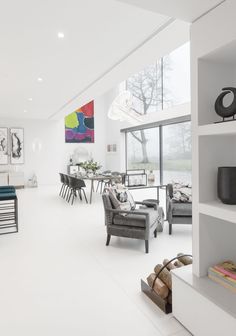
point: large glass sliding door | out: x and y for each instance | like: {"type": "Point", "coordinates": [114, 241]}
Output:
{"type": "Point", "coordinates": [143, 151]}
{"type": "Point", "coordinates": [166, 150]}
{"type": "Point", "coordinates": [177, 153]}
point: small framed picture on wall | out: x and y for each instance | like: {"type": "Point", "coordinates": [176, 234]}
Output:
{"type": "Point", "coordinates": [17, 145]}
{"type": "Point", "coordinates": [3, 146]}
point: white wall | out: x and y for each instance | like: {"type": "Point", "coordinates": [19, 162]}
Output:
{"type": "Point", "coordinates": [55, 153]}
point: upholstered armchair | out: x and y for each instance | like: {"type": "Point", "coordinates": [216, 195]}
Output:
{"type": "Point", "coordinates": [177, 212]}
{"type": "Point", "coordinates": [138, 223]}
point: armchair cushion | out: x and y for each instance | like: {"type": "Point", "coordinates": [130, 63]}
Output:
{"type": "Point", "coordinates": [136, 220]}
{"type": "Point", "coordinates": [182, 209]}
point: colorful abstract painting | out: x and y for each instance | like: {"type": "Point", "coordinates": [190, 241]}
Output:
{"type": "Point", "coordinates": [79, 125]}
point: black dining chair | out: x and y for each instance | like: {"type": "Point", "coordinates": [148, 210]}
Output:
{"type": "Point", "coordinates": [63, 184]}
{"type": "Point", "coordinates": [117, 177]}
{"type": "Point", "coordinates": [76, 185]}
{"type": "Point", "coordinates": [104, 183]}
{"type": "Point", "coordinates": [67, 187]}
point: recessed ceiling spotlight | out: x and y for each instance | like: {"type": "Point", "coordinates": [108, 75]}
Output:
{"type": "Point", "coordinates": [30, 99]}
{"type": "Point", "coordinates": [39, 79]}
{"type": "Point", "coordinates": [60, 35]}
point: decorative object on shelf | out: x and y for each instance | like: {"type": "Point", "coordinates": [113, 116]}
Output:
{"type": "Point", "coordinates": [17, 145]}
{"type": "Point", "coordinates": [3, 146]}
{"type": "Point", "coordinates": [226, 184]}
{"type": "Point", "coordinates": [90, 166]}
{"type": "Point", "coordinates": [226, 111]}
{"type": "Point", "coordinates": [151, 178]}
{"type": "Point", "coordinates": [159, 284]}
{"type": "Point", "coordinates": [136, 177]}
{"type": "Point", "coordinates": [79, 125]}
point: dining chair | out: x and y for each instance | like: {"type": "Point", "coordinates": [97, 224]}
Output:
{"type": "Point", "coordinates": [67, 188]}
{"type": "Point", "coordinates": [63, 184]}
{"type": "Point", "coordinates": [117, 177]}
{"type": "Point", "coordinates": [105, 182]}
{"type": "Point", "coordinates": [76, 185]}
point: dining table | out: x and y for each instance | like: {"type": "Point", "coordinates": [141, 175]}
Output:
{"type": "Point", "coordinates": [98, 178]}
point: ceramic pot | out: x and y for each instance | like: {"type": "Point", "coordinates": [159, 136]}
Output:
{"type": "Point", "coordinates": [226, 184]}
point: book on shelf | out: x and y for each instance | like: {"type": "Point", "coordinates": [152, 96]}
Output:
{"type": "Point", "coordinates": [222, 283]}
{"type": "Point", "coordinates": [224, 274]}
{"type": "Point", "coordinates": [221, 276]}
{"type": "Point", "coordinates": [227, 268]}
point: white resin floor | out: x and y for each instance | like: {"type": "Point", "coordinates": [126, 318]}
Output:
{"type": "Point", "coordinates": [58, 278]}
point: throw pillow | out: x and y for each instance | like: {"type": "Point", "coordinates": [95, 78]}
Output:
{"type": "Point", "coordinates": [116, 203]}
{"type": "Point", "coordinates": [182, 193]}
{"type": "Point", "coordinates": [121, 195]}
{"type": "Point", "coordinates": [124, 195]}
{"type": "Point", "coordinates": [131, 200]}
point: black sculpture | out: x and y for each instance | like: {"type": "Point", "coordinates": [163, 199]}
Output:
{"type": "Point", "coordinates": [221, 110]}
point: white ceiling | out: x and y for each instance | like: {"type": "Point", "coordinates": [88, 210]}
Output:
{"type": "Point", "coordinates": [186, 10]}
{"type": "Point", "coordinates": [97, 35]}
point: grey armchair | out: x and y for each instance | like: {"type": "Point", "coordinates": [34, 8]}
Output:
{"type": "Point", "coordinates": [138, 224]}
{"type": "Point", "coordinates": [177, 212]}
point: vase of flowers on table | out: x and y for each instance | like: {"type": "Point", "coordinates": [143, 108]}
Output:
{"type": "Point", "coordinates": [91, 167]}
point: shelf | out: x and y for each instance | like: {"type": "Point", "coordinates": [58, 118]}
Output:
{"type": "Point", "coordinates": [219, 210]}
{"type": "Point", "coordinates": [226, 128]}
{"type": "Point", "coordinates": [220, 296]}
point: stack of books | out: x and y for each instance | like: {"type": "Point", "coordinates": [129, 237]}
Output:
{"type": "Point", "coordinates": [224, 274]}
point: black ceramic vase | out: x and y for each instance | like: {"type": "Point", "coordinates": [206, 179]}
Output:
{"type": "Point", "coordinates": [226, 184]}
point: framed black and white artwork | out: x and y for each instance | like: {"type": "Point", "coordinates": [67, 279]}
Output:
{"type": "Point", "coordinates": [3, 146]}
{"type": "Point", "coordinates": [17, 145]}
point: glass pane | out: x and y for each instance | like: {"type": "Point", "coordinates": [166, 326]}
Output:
{"type": "Point", "coordinates": [145, 87]}
{"type": "Point", "coordinates": [177, 153]}
{"type": "Point", "coordinates": [176, 77]}
{"type": "Point", "coordinates": [143, 151]}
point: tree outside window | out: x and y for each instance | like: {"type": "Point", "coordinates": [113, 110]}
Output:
{"type": "Point", "coordinates": [160, 85]}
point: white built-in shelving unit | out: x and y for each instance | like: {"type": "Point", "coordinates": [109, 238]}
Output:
{"type": "Point", "coordinates": [204, 307]}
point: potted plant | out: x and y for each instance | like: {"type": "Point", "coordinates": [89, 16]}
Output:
{"type": "Point", "coordinates": [90, 166]}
